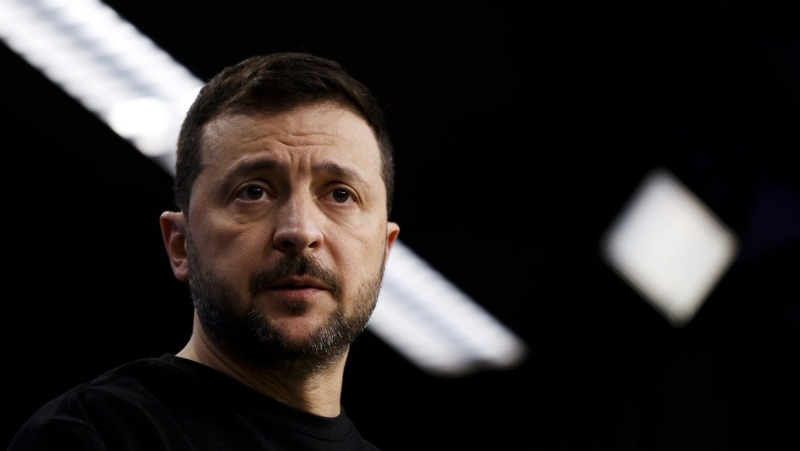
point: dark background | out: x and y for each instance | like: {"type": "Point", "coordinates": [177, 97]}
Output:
{"type": "Point", "coordinates": [520, 130]}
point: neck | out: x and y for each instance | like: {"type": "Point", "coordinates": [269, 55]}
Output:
{"type": "Point", "coordinates": [315, 390]}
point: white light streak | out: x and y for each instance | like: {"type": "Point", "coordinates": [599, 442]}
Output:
{"type": "Point", "coordinates": [435, 324]}
{"type": "Point", "coordinates": [102, 61]}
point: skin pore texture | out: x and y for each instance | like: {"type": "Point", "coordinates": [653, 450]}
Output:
{"type": "Point", "coordinates": [284, 247]}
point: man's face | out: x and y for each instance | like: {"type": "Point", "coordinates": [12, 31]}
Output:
{"type": "Point", "coordinates": [287, 233]}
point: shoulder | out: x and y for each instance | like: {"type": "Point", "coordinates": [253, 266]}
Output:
{"type": "Point", "coordinates": [174, 403]}
{"type": "Point", "coordinates": [114, 401]}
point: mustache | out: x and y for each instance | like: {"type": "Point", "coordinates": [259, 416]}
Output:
{"type": "Point", "coordinates": [300, 265]}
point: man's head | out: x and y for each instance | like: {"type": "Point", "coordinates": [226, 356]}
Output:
{"type": "Point", "coordinates": [284, 179]}
{"type": "Point", "coordinates": [270, 84]}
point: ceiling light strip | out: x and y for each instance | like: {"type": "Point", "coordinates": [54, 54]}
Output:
{"type": "Point", "coordinates": [102, 61]}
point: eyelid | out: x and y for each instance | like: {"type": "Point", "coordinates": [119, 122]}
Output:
{"type": "Point", "coordinates": [353, 196]}
{"type": "Point", "coordinates": [241, 192]}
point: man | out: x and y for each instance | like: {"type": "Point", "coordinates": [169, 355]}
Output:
{"type": "Point", "coordinates": [284, 183]}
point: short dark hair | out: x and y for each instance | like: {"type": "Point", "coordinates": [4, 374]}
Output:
{"type": "Point", "coordinates": [275, 83]}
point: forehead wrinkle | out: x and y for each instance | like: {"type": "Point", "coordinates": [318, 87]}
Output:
{"type": "Point", "coordinates": [308, 139]}
{"type": "Point", "coordinates": [301, 141]}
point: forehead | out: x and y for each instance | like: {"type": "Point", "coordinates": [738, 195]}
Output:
{"type": "Point", "coordinates": [308, 134]}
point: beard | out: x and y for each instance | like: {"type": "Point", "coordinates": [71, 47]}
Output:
{"type": "Point", "coordinates": [248, 334]}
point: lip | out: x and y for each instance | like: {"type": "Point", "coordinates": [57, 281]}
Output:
{"type": "Point", "coordinates": [299, 283]}
{"type": "Point", "coordinates": [294, 294]}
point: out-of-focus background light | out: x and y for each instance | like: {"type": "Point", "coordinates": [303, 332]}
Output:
{"type": "Point", "coordinates": [669, 246]}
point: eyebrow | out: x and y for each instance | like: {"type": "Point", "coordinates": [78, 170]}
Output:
{"type": "Point", "coordinates": [251, 166]}
{"type": "Point", "coordinates": [339, 171]}
{"type": "Point", "coordinates": [329, 167]}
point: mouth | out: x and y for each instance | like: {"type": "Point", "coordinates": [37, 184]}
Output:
{"type": "Point", "coordinates": [298, 283]}
{"type": "Point", "coordinates": [301, 290]}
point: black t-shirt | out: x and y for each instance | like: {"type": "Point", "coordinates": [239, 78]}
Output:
{"type": "Point", "coordinates": [171, 403]}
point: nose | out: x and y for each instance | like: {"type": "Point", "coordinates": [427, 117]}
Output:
{"type": "Point", "coordinates": [297, 226]}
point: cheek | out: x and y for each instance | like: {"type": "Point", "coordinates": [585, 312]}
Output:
{"type": "Point", "coordinates": [232, 252]}
{"type": "Point", "coordinates": [242, 251]}
{"type": "Point", "coordinates": [361, 253]}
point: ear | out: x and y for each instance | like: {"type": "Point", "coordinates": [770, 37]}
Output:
{"type": "Point", "coordinates": [392, 230]}
{"type": "Point", "coordinates": [173, 231]}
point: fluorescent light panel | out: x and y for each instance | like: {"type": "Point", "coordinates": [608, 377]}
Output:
{"type": "Point", "coordinates": [102, 61]}
{"type": "Point", "coordinates": [669, 246]}
{"type": "Point", "coordinates": [143, 94]}
{"type": "Point", "coordinates": [436, 324]}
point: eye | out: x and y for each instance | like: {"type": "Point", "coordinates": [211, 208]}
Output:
{"type": "Point", "coordinates": [341, 195]}
{"type": "Point", "coordinates": [251, 192]}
